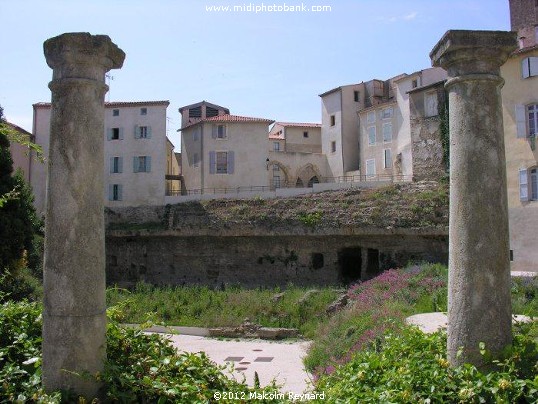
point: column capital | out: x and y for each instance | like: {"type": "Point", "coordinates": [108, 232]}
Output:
{"type": "Point", "coordinates": [82, 55]}
{"type": "Point", "coordinates": [473, 52]}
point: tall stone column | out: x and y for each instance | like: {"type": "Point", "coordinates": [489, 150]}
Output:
{"type": "Point", "coordinates": [479, 306]}
{"type": "Point", "coordinates": [74, 317]}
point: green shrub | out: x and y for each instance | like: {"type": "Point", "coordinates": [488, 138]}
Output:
{"type": "Point", "coordinates": [139, 368]}
{"type": "Point", "coordinates": [411, 367]}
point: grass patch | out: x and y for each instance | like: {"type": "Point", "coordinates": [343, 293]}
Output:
{"type": "Point", "coordinates": [201, 306]}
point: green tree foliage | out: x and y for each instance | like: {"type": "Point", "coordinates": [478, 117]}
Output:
{"type": "Point", "coordinates": [18, 220]}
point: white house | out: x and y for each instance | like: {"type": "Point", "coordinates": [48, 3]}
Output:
{"type": "Point", "coordinates": [135, 161]}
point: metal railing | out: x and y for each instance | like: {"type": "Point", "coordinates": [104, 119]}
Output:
{"type": "Point", "coordinates": [265, 188]}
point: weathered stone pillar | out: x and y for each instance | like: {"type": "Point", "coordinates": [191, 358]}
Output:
{"type": "Point", "coordinates": [74, 318]}
{"type": "Point", "coordinates": [479, 306]}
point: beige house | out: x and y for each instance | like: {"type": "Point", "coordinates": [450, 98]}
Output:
{"type": "Point", "coordinates": [339, 129]}
{"type": "Point", "coordinates": [21, 154]}
{"type": "Point", "coordinates": [173, 170]}
{"type": "Point", "coordinates": [222, 152]}
{"type": "Point", "coordinates": [295, 158]}
{"type": "Point", "coordinates": [520, 116]}
{"type": "Point", "coordinates": [378, 135]}
{"type": "Point", "coordinates": [135, 145]}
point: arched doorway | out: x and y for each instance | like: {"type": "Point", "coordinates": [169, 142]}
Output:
{"type": "Point", "coordinates": [299, 183]}
{"type": "Point", "coordinates": [312, 181]}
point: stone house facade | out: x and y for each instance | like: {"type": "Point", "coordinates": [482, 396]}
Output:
{"type": "Point", "coordinates": [295, 158]}
{"type": "Point", "coordinates": [520, 119]}
{"type": "Point", "coordinates": [222, 151]}
{"type": "Point", "coordinates": [135, 145]}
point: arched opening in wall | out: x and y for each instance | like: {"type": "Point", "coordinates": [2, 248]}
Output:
{"type": "Point", "coordinates": [349, 264]}
{"type": "Point", "coordinates": [312, 181]}
{"type": "Point", "coordinates": [299, 183]}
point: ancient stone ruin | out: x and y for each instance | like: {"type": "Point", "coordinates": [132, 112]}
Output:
{"type": "Point", "coordinates": [479, 306]}
{"type": "Point", "coordinates": [74, 317]}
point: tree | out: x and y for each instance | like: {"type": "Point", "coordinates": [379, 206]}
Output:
{"type": "Point", "coordinates": [18, 219]}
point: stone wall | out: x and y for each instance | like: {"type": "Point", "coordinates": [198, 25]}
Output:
{"type": "Point", "coordinates": [176, 258]}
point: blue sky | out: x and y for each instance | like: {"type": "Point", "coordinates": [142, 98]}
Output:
{"type": "Point", "coordinates": [267, 64]}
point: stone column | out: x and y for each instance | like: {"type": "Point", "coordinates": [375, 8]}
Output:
{"type": "Point", "coordinates": [479, 306]}
{"type": "Point", "coordinates": [74, 318]}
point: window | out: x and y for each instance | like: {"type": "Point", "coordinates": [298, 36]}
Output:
{"type": "Point", "coordinates": [387, 132]}
{"type": "Point", "coordinates": [210, 112]}
{"type": "Point", "coordinates": [430, 104]}
{"type": "Point", "coordinates": [141, 164]}
{"type": "Point", "coordinates": [221, 162]}
{"type": "Point", "coordinates": [115, 192]}
{"type": "Point", "coordinates": [219, 131]}
{"type": "Point", "coordinates": [528, 184]}
{"type": "Point", "coordinates": [143, 111]}
{"type": "Point", "coordinates": [386, 113]}
{"type": "Point", "coordinates": [305, 134]}
{"type": "Point", "coordinates": [414, 83]}
{"type": "Point", "coordinates": [529, 67]}
{"type": "Point", "coordinates": [195, 160]}
{"type": "Point", "coordinates": [333, 147]}
{"type": "Point", "coordinates": [371, 135]}
{"type": "Point", "coordinates": [370, 167]}
{"type": "Point", "coordinates": [534, 184]}
{"type": "Point", "coordinates": [276, 167]}
{"type": "Point", "coordinates": [195, 112]}
{"type": "Point", "coordinates": [532, 115]}
{"type": "Point", "coordinates": [276, 180]}
{"type": "Point", "coordinates": [387, 158]}
{"type": "Point", "coordinates": [370, 118]}
{"type": "Point", "coordinates": [196, 134]}
{"type": "Point", "coordinates": [333, 120]}
{"type": "Point", "coordinates": [116, 165]}
{"type": "Point", "coordinates": [115, 112]}
{"type": "Point", "coordinates": [115, 134]}
{"type": "Point", "coordinates": [142, 132]}
{"type": "Point", "coordinates": [356, 96]}
{"type": "Point", "coordinates": [276, 146]}
{"type": "Point", "coordinates": [526, 120]}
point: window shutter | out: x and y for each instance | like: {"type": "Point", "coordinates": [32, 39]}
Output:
{"type": "Point", "coordinates": [214, 131]}
{"type": "Point", "coordinates": [533, 66]}
{"type": "Point", "coordinates": [224, 135]}
{"type": "Point", "coordinates": [109, 134]}
{"type": "Point", "coordinates": [136, 132]}
{"type": "Point", "coordinates": [121, 133]}
{"type": "Point", "coordinates": [110, 192]}
{"type": "Point", "coordinates": [149, 132]}
{"type": "Point", "coordinates": [523, 185]}
{"type": "Point", "coordinates": [525, 68]}
{"type": "Point", "coordinates": [521, 123]}
{"type": "Point", "coordinates": [231, 162]}
{"type": "Point", "coordinates": [120, 192]}
{"type": "Point", "coordinates": [148, 164]}
{"type": "Point", "coordinates": [212, 162]}
{"type": "Point", "coordinates": [120, 164]}
{"type": "Point", "coordinates": [135, 164]}
{"type": "Point", "coordinates": [111, 165]}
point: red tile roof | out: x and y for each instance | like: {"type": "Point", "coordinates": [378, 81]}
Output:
{"type": "Point", "coordinates": [276, 136]}
{"type": "Point", "coordinates": [229, 118]}
{"type": "Point", "coordinates": [299, 124]}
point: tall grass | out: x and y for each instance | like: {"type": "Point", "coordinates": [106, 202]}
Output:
{"type": "Point", "coordinates": [202, 306]}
